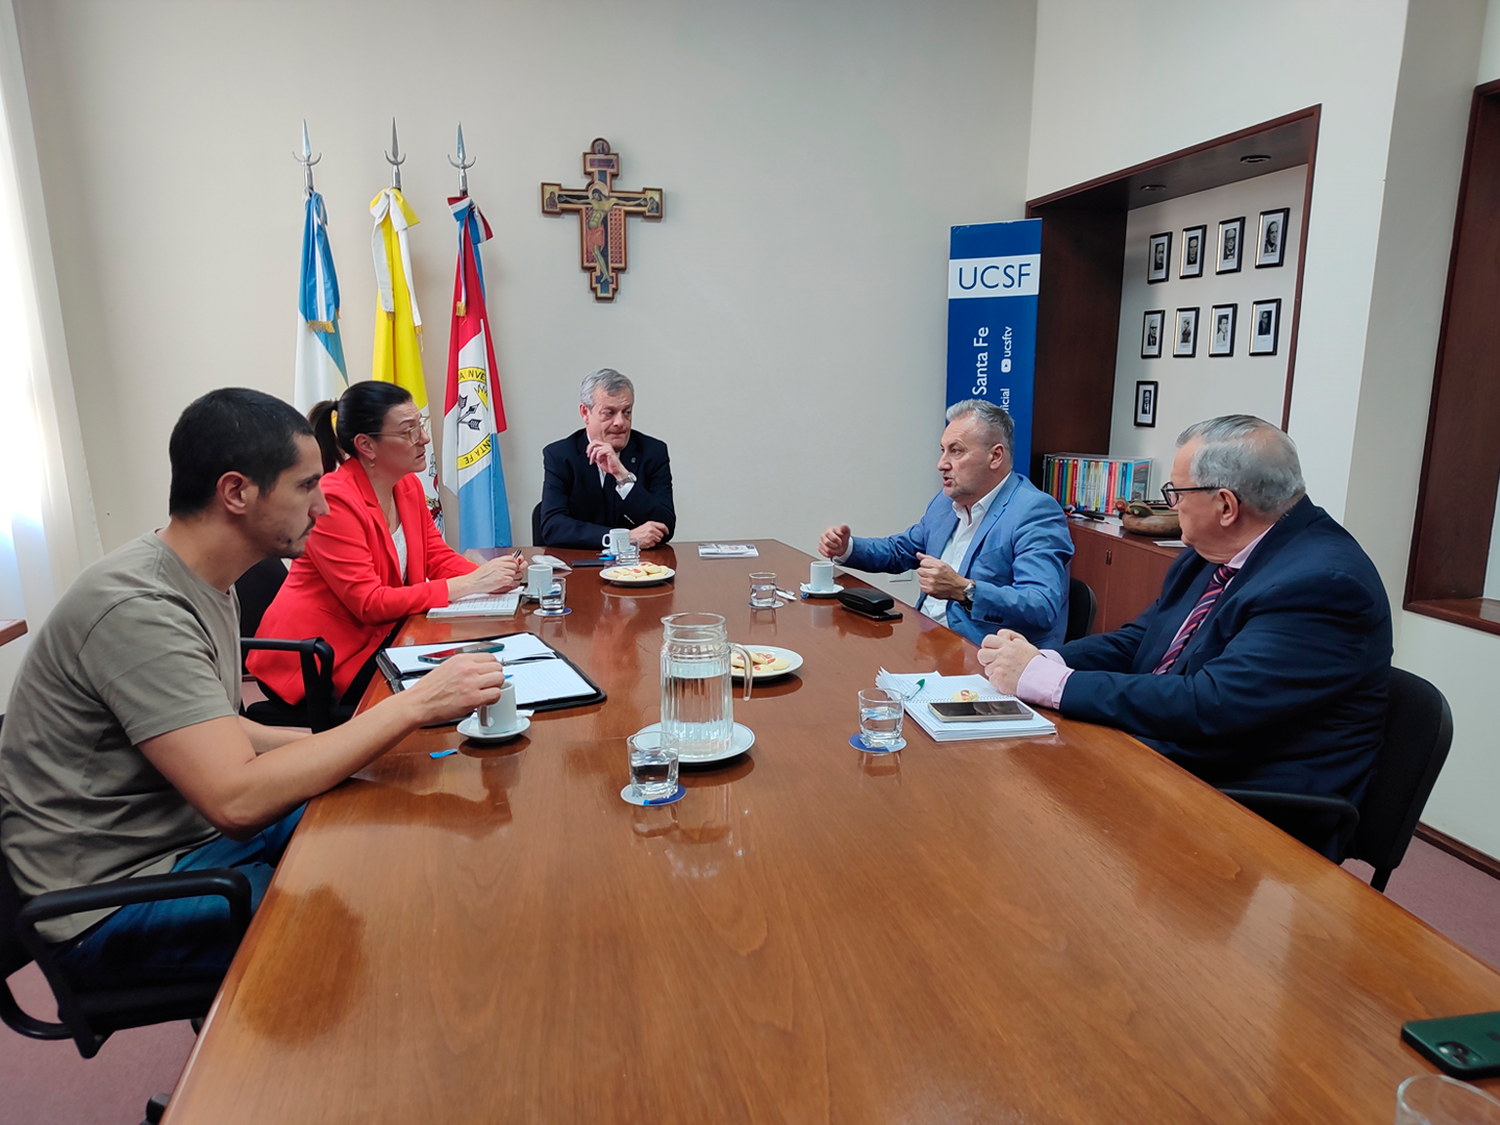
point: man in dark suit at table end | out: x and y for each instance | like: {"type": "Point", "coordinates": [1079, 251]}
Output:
{"type": "Point", "coordinates": [991, 550]}
{"type": "Point", "coordinates": [606, 475]}
{"type": "Point", "coordinates": [1264, 662]}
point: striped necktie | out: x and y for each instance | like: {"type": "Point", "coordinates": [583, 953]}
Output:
{"type": "Point", "coordinates": [1205, 606]}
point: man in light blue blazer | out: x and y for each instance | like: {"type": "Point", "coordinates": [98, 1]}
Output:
{"type": "Point", "coordinates": [992, 549]}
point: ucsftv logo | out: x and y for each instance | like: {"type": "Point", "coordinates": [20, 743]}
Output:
{"type": "Point", "coordinates": [1014, 276]}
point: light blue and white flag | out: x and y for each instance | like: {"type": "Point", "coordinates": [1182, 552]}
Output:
{"type": "Point", "coordinates": [321, 373]}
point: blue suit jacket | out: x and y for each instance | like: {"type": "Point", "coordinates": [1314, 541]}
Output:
{"type": "Point", "coordinates": [1018, 558]}
{"type": "Point", "coordinates": [1284, 684]}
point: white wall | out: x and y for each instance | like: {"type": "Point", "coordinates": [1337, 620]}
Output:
{"type": "Point", "coordinates": [1191, 390]}
{"type": "Point", "coordinates": [1444, 45]}
{"type": "Point", "coordinates": [813, 159]}
{"type": "Point", "coordinates": [1123, 82]}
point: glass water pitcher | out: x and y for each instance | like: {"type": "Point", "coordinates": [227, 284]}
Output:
{"type": "Point", "coordinates": [697, 710]}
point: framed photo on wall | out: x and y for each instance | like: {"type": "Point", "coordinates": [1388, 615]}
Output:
{"type": "Point", "coordinates": [1185, 335]}
{"type": "Point", "coordinates": [1193, 239]}
{"type": "Point", "coordinates": [1145, 403]}
{"type": "Point", "coordinates": [1221, 320]}
{"type": "Point", "coordinates": [1265, 326]}
{"type": "Point", "coordinates": [1152, 325]}
{"type": "Point", "coordinates": [1231, 242]}
{"type": "Point", "coordinates": [1270, 248]}
{"type": "Point", "coordinates": [1159, 257]}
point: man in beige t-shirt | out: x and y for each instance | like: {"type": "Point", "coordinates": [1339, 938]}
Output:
{"type": "Point", "coordinates": [123, 752]}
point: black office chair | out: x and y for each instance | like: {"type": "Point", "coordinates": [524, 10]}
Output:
{"type": "Point", "coordinates": [1418, 734]}
{"type": "Point", "coordinates": [536, 525]}
{"type": "Point", "coordinates": [89, 1016]}
{"type": "Point", "coordinates": [1082, 606]}
{"type": "Point", "coordinates": [319, 708]}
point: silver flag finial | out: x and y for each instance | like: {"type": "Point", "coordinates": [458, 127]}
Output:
{"type": "Point", "coordinates": [394, 157]}
{"type": "Point", "coordinates": [461, 163]}
{"type": "Point", "coordinates": [307, 160]}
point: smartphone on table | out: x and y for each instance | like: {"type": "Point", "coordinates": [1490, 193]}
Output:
{"type": "Point", "coordinates": [980, 710]}
{"type": "Point", "coordinates": [443, 654]}
{"type": "Point", "coordinates": [1466, 1047]}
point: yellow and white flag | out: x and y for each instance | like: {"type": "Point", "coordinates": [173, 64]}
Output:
{"type": "Point", "coordinates": [398, 321]}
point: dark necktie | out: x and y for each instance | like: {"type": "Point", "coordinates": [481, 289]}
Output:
{"type": "Point", "coordinates": [1205, 605]}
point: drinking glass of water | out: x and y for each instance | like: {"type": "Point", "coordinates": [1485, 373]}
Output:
{"type": "Point", "coordinates": [554, 599]}
{"type": "Point", "coordinates": [629, 554]}
{"type": "Point", "coordinates": [653, 765]}
{"type": "Point", "coordinates": [763, 592]}
{"type": "Point", "coordinates": [880, 714]}
{"type": "Point", "coordinates": [1432, 1099]}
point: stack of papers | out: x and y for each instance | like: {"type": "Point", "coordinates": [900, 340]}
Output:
{"type": "Point", "coordinates": [479, 605]}
{"type": "Point", "coordinates": [920, 689]}
{"type": "Point", "coordinates": [728, 551]}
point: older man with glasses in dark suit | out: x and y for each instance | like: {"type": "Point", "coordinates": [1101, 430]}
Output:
{"type": "Point", "coordinates": [1264, 662]}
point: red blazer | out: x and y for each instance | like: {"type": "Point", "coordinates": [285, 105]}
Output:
{"type": "Point", "coordinates": [347, 587]}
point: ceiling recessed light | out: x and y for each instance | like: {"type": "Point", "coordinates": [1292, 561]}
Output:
{"type": "Point", "coordinates": [1255, 158]}
{"type": "Point", "coordinates": [1153, 187]}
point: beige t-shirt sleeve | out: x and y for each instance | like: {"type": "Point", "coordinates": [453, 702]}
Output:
{"type": "Point", "coordinates": [150, 661]}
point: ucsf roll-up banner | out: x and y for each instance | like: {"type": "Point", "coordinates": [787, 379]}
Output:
{"type": "Point", "coordinates": [993, 270]}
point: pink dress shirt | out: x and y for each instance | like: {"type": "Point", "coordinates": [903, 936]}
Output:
{"type": "Point", "coordinates": [1043, 679]}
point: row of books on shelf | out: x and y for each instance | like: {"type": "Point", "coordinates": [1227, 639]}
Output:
{"type": "Point", "coordinates": [1092, 484]}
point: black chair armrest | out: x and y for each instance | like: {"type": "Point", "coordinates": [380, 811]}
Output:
{"type": "Point", "coordinates": [317, 673]}
{"type": "Point", "coordinates": [1266, 801]}
{"type": "Point", "coordinates": [225, 882]}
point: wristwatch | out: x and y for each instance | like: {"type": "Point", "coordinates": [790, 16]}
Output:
{"type": "Point", "coordinates": [629, 479]}
{"type": "Point", "coordinates": [967, 601]}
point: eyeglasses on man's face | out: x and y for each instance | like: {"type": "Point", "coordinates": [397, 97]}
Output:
{"type": "Point", "coordinates": [1171, 493]}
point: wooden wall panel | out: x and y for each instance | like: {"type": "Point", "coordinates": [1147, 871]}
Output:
{"type": "Point", "coordinates": [1078, 322]}
{"type": "Point", "coordinates": [1461, 466]}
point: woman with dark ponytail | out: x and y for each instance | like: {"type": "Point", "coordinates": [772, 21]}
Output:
{"type": "Point", "coordinates": [376, 557]}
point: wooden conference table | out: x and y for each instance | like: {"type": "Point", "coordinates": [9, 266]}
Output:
{"type": "Point", "coordinates": [1067, 929]}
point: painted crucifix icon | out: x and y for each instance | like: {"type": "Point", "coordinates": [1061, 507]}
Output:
{"type": "Point", "coordinates": [602, 209]}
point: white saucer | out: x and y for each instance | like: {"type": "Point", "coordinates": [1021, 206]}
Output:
{"type": "Point", "coordinates": [794, 661]}
{"type": "Point", "coordinates": [742, 740]}
{"type": "Point", "coordinates": [469, 728]}
{"type": "Point", "coordinates": [811, 593]}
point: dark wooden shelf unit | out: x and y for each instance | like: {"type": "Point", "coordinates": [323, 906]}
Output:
{"type": "Point", "coordinates": [1124, 571]}
{"type": "Point", "coordinates": [1083, 267]}
{"type": "Point", "coordinates": [1461, 464]}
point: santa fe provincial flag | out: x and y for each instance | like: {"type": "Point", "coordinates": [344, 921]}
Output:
{"type": "Point", "coordinates": [473, 414]}
{"type": "Point", "coordinates": [320, 350]}
{"type": "Point", "coordinates": [398, 321]}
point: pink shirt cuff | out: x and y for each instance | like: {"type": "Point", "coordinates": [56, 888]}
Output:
{"type": "Point", "coordinates": [1042, 681]}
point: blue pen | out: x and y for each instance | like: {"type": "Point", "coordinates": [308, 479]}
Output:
{"type": "Point", "coordinates": [442, 753]}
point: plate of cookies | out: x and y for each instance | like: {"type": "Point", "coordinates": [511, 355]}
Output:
{"type": "Point", "coordinates": [642, 574]}
{"type": "Point", "coordinates": [769, 662]}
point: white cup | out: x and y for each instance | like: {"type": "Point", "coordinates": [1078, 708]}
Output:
{"type": "Point", "coordinates": [820, 576]}
{"type": "Point", "coordinates": [498, 717]}
{"type": "Point", "coordinates": [538, 580]}
{"type": "Point", "coordinates": [617, 540]}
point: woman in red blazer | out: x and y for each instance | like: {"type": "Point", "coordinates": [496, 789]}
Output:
{"type": "Point", "coordinates": [376, 557]}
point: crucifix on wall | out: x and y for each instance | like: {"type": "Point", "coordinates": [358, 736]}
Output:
{"type": "Point", "coordinates": [602, 209]}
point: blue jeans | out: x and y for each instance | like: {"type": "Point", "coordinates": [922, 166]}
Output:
{"type": "Point", "coordinates": [180, 938]}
